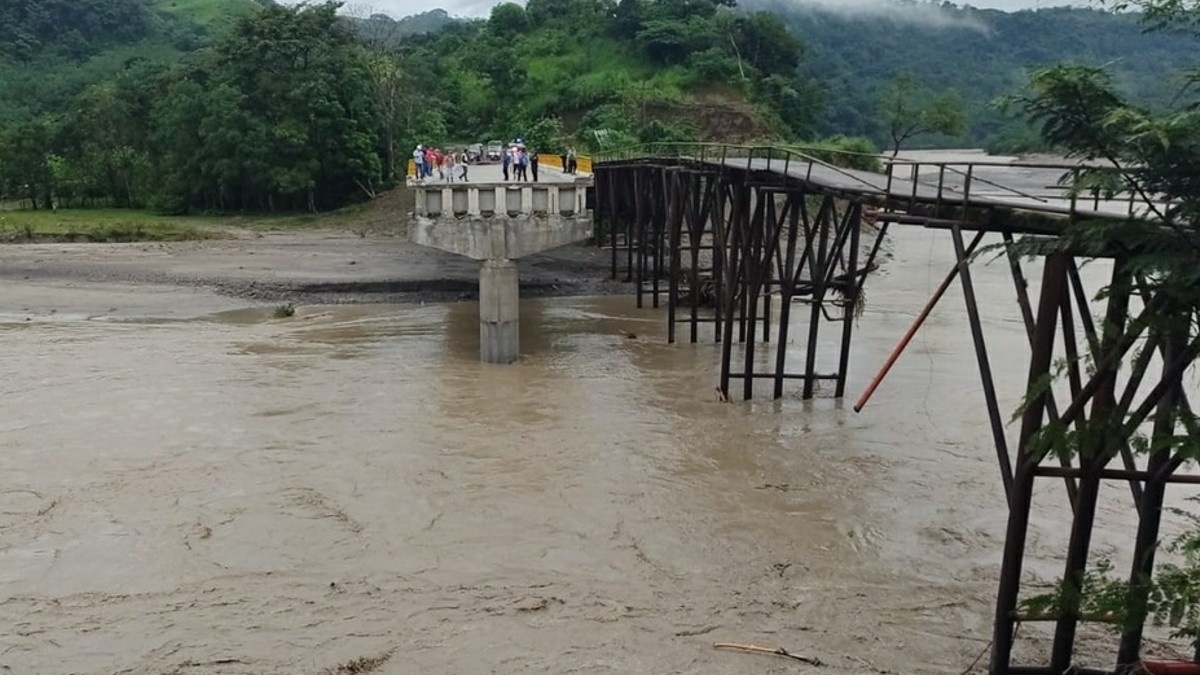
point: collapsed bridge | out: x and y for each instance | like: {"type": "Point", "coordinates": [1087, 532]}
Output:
{"type": "Point", "coordinates": [731, 235]}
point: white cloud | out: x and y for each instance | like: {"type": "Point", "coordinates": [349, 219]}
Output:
{"type": "Point", "coordinates": [924, 14]}
{"type": "Point", "coordinates": [401, 8]}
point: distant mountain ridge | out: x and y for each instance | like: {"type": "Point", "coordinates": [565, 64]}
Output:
{"type": "Point", "coordinates": [853, 50]}
{"type": "Point", "coordinates": [50, 50]}
{"type": "Point", "coordinates": [979, 53]}
{"type": "Point", "coordinates": [382, 28]}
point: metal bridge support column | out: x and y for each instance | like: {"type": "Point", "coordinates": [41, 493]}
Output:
{"type": "Point", "coordinates": [850, 295]}
{"type": "Point", "coordinates": [1054, 283]}
{"type": "Point", "coordinates": [499, 316]}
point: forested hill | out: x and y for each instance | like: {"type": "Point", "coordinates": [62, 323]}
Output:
{"type": "Point", "coordinates": [980, 54]}
{"type": "Point", "coordinates": [682, 64]}
{"type": "Point", "coordinates": [244, 105]}
{"type": "Point", "coordinates": [75, 28]}
{"type": "Point", "coordinates": [50, 50]}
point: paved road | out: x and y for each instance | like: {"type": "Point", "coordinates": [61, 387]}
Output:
{"type": "Point", "coordinates": [493, 173]}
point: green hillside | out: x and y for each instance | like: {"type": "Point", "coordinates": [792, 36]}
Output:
{"type": "Point", "coordinates": [217, 106]}
{"type": "Point", "coordinates": [671, 68]}
{"type": "Point", "coordinates": [51, 50]}
{"type": "Point", "coordinates": [237, 105]}
{"type": "Point", "coordinates": [978, 54]}
{"type": "Point", "coordinates": [212, 14]}
{"type": "Point", "coordinates": [610, 72]}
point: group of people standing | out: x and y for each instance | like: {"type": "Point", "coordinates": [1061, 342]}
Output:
{"type": "Point", "coordinates": [446, 164]}
{"type": "Point", "coordinates": [569, 164]}
{"type": "Point", "coordinates": [518, 163]}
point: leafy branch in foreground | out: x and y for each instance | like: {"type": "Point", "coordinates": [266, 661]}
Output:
{"type": "Point", "coordinates": [1173, 600]}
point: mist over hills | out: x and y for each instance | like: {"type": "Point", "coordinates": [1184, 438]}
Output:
{"type": "Point", "coordinates": [854, 47]}
{"type": "Point", "coordinates": [978, 53]}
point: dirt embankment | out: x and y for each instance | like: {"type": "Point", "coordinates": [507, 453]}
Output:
{"type": "Point", "coordinates": [717, 116]}
{"type": "Point", "coordinates": [311, 267]}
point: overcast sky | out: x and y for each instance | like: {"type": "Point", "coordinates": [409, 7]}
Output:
{"type": "Point", "coordinates": [401, 8]}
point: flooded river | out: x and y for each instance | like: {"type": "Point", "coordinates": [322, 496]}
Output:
{"type": "Point", "coordinates": [234, 493]}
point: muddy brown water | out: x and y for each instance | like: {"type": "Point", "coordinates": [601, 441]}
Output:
{"type": "Point", "coordinates": [239, 494]}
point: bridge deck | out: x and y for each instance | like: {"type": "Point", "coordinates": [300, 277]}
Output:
{"type": "Point", "coordinates": [1026, 197]}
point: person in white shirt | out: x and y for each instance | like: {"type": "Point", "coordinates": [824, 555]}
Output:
{"type": "Point", "coordinates": [419, 161]}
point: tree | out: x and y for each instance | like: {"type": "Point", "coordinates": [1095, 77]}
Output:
{"type": "Point", "coordinates": [907, 112]}
{"type": "Point", "coordinates": [26, 170]}
{"type": "Point", "coordinates": [113, 154]}
{"type": "Point", "coordinates": [507, 20]}
{"type": "Point", "coordinates": [377, 30]}
{"type": "Point", "coordinates": [544, 135]}
{"type": "Point", "coordinates": [387, 83]}
{"type": "Point", "coordinates": [298, 115]}
{"type": "Point", "coordinates": [76, 27]}
{"type": "Point", "coordinates": [796, 101]}
{"type": "Point", "coordinates": [180, 160]}
{"type": "Point", "coordinates": [666, 41]}
{"type": "Point", "coordinates": [542, 12]}
{"type": "Point", "coordinates": [766, 44]}
{"type": "Point", "coordinates": [627, 19]}
{"type": "Point", "coordinates": [1183, 14]}
{"type": "Point", "coordinates": [1154, 154]}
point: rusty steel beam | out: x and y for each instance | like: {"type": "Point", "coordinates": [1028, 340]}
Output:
{"type": "Point", "coordinates": [1054, 282]}
{"type": "Point", "coordinates": [1022, 291]}
{"type": "Point", "coordinates": [850, 297]}
{"type": "Point", "coordinates": [985, 364]}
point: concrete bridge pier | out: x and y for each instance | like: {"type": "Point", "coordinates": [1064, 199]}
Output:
{"type": "Point", "coordinates": [499, 312]}
{"type": "Point", "coordinates": [497, 223]}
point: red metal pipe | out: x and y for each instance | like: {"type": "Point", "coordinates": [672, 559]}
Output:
{"type": "Point", "coordinates": [1171, 667]}
{"type": "Point", "coordinates": [912, 331]}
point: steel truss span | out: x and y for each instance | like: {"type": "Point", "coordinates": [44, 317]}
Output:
{"type": "Point", "coordinates": [724, 236]}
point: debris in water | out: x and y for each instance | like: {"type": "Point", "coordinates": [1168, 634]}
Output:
{"type": "Point", "coordinates": [366, 664]}
{"type": "Point", "coordinates": [777, 651]}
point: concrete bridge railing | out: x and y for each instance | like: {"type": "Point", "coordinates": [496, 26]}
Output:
{"type": "Point", "coordinates": [498, 223]}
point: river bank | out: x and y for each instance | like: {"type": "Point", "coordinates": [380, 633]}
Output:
{"type": "Point", "coordinates": [300, 267]}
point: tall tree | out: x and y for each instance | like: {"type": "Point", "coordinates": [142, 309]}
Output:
{"type": "Point", "coordinates": [906, 111]}
{"type": "Point", "coordinates": [112, 118]}
{"type": "Point", "coordinates": [26, 153]}
{"type": "Point", "coordinates": [292, 117]}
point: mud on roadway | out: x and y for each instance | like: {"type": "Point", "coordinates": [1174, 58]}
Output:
{"type": "Point", "coordinates": [191, 486]}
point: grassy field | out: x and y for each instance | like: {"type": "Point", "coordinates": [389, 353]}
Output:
{"type": "Point", "coordinates": [124, 225]}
